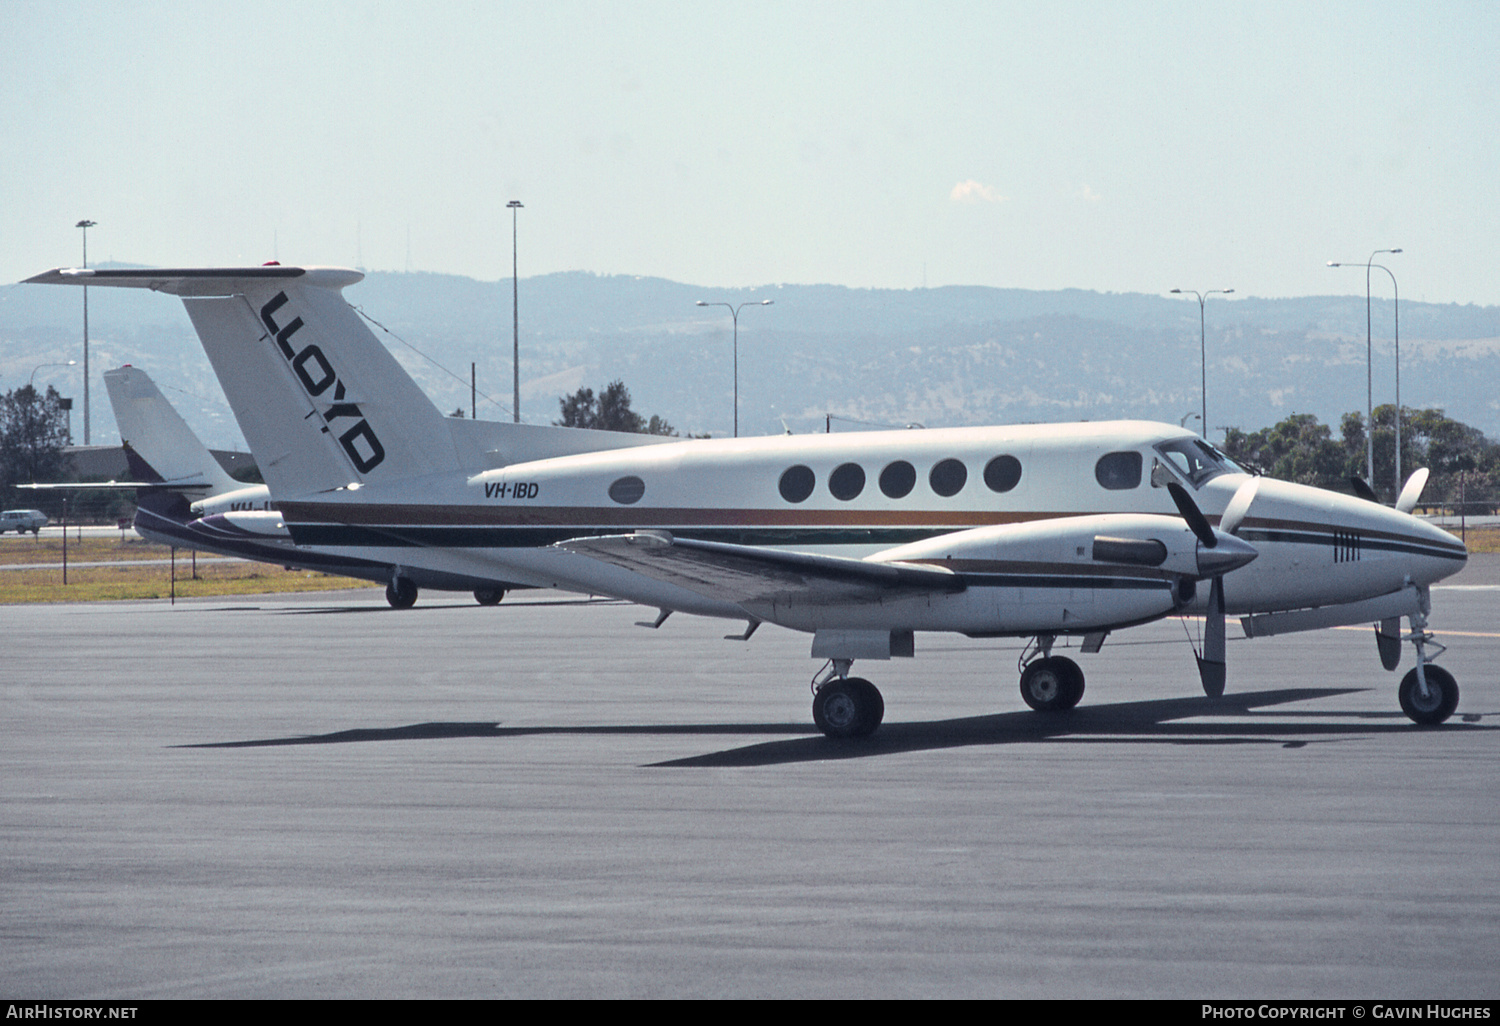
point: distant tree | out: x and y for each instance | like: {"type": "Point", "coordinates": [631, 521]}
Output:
{"type": "Point", "coordinates": [1298, 449]}
{"type": "Point", "coordinates": [609, 411]}
{"type": "Point", "coordinates": [33, 431]}
{"type": "Point", "coordinates": [1460, 458]}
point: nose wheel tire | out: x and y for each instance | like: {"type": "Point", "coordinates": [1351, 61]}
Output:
{"type": "Point", "coordinates": [851, 707]}
{"type": "Point", "coordinates": [1439, 702]}
{"type": "Point", "coordinates": [1053, 684]}
{"type": "Point", "coordinates": [489, 596]}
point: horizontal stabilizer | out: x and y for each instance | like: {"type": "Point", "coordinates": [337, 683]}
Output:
{"type": "Point", "coordinates": [182, 485]}
{"type": "Point", "coordinates": [196, 281]}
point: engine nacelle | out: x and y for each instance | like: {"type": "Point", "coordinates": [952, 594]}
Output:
{"type": "Point", "coordinates": [1153, 544]}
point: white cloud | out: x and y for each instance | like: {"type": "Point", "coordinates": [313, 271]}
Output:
{"type": "Point", "coordinates": [1088, 195]}
{"type": "Point", "coordinates": [972, 191]}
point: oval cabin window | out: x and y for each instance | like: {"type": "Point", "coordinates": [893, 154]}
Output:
{"type": "Point", "coordinates": [627, 490]}
{"type": "Point", "coordinates": [948, 477]}
{"type": "Point", "coordinates": [898, 479]}
{"type": "Point", "coordinates": [847, 481]}
{"type": "Point", "coordinates": [1002, 473]}
{"type": "Point", "coordinates": [797, 483]}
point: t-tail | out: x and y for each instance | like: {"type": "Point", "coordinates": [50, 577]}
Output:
{"type": "Point", "coordinates": [321, 402]}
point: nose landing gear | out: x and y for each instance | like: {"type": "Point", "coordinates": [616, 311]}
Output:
{"type": "Point", "coordinates": [1428, 694]}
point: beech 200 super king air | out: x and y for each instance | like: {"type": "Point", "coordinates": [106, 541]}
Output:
{"type": "Point", "coordinates": [862, 541]}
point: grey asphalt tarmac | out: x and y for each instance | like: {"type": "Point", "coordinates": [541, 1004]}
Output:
{"type": "Point", "coordinates": [317, 796]}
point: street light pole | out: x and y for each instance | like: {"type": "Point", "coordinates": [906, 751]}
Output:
{"type": "Point", "coordinates": [1396, 310]}
{"type": "Point", "coordinates": [734, 313]}
{"type": "Point", "coordinates": [1370, 367]}
{"type": "Point", "coordinates": [515, 313]}
{"type": "Point", "coordinates": [85, 224]}
{"type": "Point", "coordinates": [1203, 345]}
{"type": "Point", "coordinates": [32, 380]}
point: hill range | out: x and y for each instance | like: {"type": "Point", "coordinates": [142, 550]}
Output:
{"type": "Point", "coordinates": [821, 356]}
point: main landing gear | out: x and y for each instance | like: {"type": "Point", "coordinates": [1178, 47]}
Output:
{"type": "Point", "coordinates": [1049, 683]}
{"type": "Point", "coordinates": [401, 593]}
{"type": "Point", "coordinates": [1428, 693]}
{"type": "Point", "coordinates": [845, 706]}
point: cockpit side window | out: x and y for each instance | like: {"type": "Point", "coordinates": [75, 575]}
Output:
{"type": "Point", "coordinates": [1196, 460]}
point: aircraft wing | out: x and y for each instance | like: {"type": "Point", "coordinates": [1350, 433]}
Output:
{"type": "Point", "coordinates": [751, 573]}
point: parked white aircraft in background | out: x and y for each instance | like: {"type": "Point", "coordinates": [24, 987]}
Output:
{"type": "Point", "coordinates": [861, 540]}
{"type": "Point", "coordinates": [185, 498]}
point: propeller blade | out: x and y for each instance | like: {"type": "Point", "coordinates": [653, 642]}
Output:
{"type": "Point", "coordinates": [1211, 665]}
{"type": "Point", "coordinates": [1238, 506]}
{"type": "Point", "coordinates": [1363, 490]}
{"type": "Point", "coordinates": [1193, 515]}
{"type": "Point", "coordinates": [1413, 490]}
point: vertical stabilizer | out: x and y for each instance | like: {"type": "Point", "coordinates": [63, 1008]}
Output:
{"type": "Point", "coordinates": [151, 426]}
{"type": "Point", "coordinates": [322, 403]}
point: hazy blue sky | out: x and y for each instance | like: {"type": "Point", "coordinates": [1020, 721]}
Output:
{"type": "Point", "coordinates": [1123, 146]}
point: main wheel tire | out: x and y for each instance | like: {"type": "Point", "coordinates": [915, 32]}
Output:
{"type": "Point", "coordinates": [489, 596]}
{"type": "Point", "coordinates": [1054, 684]}
{"type": "Point", "coordinates": [1441, 700]}
{"type": "Point", "coordinates": [851, 707]}
{"type": "Point", "coordinates": [401, 593]}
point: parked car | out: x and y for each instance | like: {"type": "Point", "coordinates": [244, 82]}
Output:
{"type": "Point", "coordinates": [22, 520]}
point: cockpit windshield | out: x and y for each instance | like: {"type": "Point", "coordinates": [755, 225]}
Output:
{"type": "Point", "coordinates": [1196, 460]}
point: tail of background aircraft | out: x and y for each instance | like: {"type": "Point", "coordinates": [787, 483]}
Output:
{"type": "Point", "coordinates": [154, 429]}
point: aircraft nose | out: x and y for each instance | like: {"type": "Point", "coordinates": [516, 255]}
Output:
{"type": "Point", "coordinates": [1230, 553]}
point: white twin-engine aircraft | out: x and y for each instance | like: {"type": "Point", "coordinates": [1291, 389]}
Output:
{"type": "Point", "coordinates": [861, 540]}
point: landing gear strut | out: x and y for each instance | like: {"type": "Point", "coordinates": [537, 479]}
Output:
{"type": "Point", "coordinates": [1049, 683]}
{"type": "Point", "coordinates": [845, 706]}
{"type": "Point", "coordinates": [1428, 694]}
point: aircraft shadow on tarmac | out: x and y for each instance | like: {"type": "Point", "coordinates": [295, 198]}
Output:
{"type": "Point", "coordinates": [1175, 721]}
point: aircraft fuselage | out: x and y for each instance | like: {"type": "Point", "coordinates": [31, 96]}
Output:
{"type": "Point", "coordinates": [980, 495]}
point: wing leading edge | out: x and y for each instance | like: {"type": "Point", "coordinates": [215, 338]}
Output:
{"type": "Point", "coordinates": [751, 573]}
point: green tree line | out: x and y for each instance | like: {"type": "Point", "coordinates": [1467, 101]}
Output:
{"type": "Point", "coordinates": [1464, 464]}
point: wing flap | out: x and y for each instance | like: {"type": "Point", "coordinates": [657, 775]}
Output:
{"type": "Point", "coordinates": [751, 573]}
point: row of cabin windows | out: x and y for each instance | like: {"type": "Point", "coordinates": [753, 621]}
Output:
{"type": "Point", "coordinates": [947, 477]}
{"type": "Point", "coordinates": [1115, 471]}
